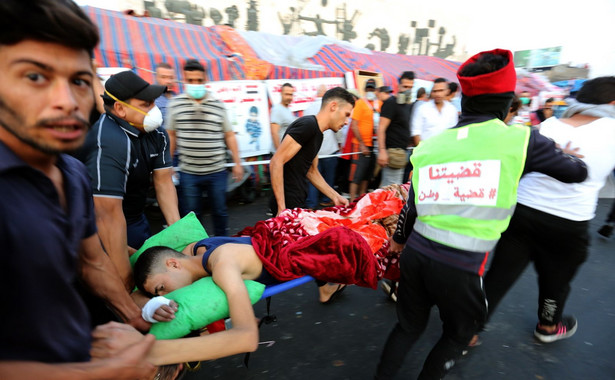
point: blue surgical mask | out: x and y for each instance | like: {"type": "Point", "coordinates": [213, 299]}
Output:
{"type": "Point", "coordinates": [195, 91]}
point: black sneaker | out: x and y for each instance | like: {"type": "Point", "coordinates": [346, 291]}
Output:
{"type": "Point", "coordinates": [565, 329]}
{"type": "Point", "coordinates": [606, 230]}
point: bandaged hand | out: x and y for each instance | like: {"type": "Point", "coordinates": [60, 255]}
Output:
{"type": "Point", "coordinates": [159, 309]}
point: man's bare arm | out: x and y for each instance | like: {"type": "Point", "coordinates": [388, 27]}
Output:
{"type": "Point", "coordinates": [314, 176]}
{"type": "Point", "coordinates": [354, 127]}
{"type": "Point", "coordinates": [287, 150]}
{"type": "Point", "coordinates": [166, 194]}
{"type": "Point", "coordinates": [111, 225]}
{"type": "Point", "coordinates": [243, 337]}
{"type": "Point", "coordinates": [172, 141]}
{"type": "Point", "coordinates": [275, 135]}
{"type": "Point", "coordinates": [113, 337]}
{"type": "Point", "coordinates": [383, 156]}
{"type": "Point", "coordinates": [128, 364]}
{"type": "Point", "coordinates": [102, 279]}
{"type": "Point", "coordinates": [231, 144]}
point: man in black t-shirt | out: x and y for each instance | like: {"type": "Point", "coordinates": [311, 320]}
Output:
{"type": "Point", "coordinates": [394, 130]}
{"type": "Point", "coordinates": [296, 160]}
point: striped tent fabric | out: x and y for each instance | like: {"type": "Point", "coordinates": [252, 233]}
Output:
{"type": "Point", "coordinates": [424, 67]}
{"type": "Point", "coordinates": [285, 72]}
{"type": "Point", "coordinates": [142, 42]}
{"type": "Point", "coordinates": [335, 57]}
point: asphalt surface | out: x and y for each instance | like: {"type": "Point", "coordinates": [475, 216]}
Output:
{"type": "Point", "coordinates": [343, 340]}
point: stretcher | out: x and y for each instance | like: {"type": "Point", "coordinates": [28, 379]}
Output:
{"type": "Point", "coordinates": [272, 290]}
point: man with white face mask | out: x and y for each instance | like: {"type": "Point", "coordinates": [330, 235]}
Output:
{"type": "Point", "coordinates": [125, 147]}
{"type": "Point", "coordinates": [200, 131]}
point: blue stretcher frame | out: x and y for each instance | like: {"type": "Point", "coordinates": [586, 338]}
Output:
{"type": "Point", "coordinates": [272, 290]}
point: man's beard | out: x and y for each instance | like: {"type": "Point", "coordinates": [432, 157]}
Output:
{"type": "Point", "coordinates": [23, 137]}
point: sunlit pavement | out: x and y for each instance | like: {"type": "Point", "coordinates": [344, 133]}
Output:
{"type": "Point", "coordinates": [343, 340]}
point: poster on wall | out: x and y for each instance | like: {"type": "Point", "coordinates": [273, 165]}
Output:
{"type": "Point", "coordinates": [248, 112]}
{"type": "Point", "coordinates": [305, 90]}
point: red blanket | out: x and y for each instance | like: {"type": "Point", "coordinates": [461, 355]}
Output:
{"type": "Point", "coordinates": [337, 255]}
{"type": "Point", "coordinates": [340, 244]}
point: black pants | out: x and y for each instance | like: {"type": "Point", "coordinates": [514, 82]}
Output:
{"type": "Point", "coordinates": [460, 299]}
{"type": "Point", "coordinates": [291, 201]}
{"type": "Point", "coordinates": [611, 217]}
{"type": "Point", "coordinates": [557, 246]}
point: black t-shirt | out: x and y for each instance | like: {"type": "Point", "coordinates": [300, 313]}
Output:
{"type": "Point", "coordinates": [398, 132]}
{"type": "Point", "coordinates": [304, 131]}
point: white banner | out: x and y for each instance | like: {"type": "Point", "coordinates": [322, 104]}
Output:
{"type": "Point", "coordinates": [248, 112]}
{"type": "Point", "coordinates": [305, 90]}
{"type": "Point", "coordinates": [459, 183]}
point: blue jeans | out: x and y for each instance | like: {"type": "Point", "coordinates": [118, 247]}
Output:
{"type": "Point", "coordinates": [137, 232]}
{"type": "Point", "coordinates": [326, 167]}
{"type": "Point", "coordinates": [191, 190]}
{"type": "Point", "coordinates": [391, 176]}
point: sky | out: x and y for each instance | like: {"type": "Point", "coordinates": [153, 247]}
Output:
{"type": "Point", "coordinates": [584, 29]}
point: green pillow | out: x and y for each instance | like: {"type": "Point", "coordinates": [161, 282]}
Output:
{"type": "Point", "coordinates": [200, 304]}
{"type": "Point", "coordinates": [177, 236]}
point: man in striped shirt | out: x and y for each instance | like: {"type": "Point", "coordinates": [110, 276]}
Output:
{"type": "Point", "coordinates": [199, 128]}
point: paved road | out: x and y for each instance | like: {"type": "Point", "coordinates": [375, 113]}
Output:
{"type": "Point", "coordinates": [344, 340]}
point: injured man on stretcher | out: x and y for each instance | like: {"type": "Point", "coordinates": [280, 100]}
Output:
{"type": "Point", "coordinates": [341, 245]}
{"type": "Point", "coordinates": [160, 270]}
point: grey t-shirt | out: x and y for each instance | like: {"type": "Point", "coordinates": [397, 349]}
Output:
{"type": "Point", "coordinates": [283, 117]}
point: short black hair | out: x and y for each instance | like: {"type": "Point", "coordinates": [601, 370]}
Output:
{"type": "Point", "coordinates": [149, 260]}
{"type": "Point", "coordinates": [58, 21]}
{"type": "Point", "coordinates": [193, 65]}
{"type": "Point", "coordinates": [163, 65]}
{"type": "Point", "coordinates": [287, 85]}
{"type": "Point", "coordinates": [420, 92]}
{"type": "Point", "coordinates": [338, 93]}
{"type": "Point", "coordinates": [515, 104]}
{"type": "Point", "coordinates": [440, 80]}
{"type": "Point", "coordinates": [453, 86]}
{"type": "Point", "coordinates": [406, 75]}
{"type": "Point", "coordinates": [486, 63]}
{"type": "Point", "coordinates": [599, 90]}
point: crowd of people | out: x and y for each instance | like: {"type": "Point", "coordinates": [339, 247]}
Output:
{"type": "Point", "coordinates": [482, 182]}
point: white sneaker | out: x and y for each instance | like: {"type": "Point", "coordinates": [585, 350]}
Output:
{"type": "Point", "coordinates": [390, 289]}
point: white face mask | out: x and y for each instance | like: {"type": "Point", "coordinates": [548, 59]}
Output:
{"type": "Point", "coordinates": [152, 120]}
{"type": "Point", "coordinates": [370, 95]}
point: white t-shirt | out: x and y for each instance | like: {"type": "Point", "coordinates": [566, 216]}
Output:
{"type": "Point", "coordinates": [573, 201]}
{"type": "Point", "coordinates": [283, 117]}
{"type": "Point", "coordinates": [427, 121]}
